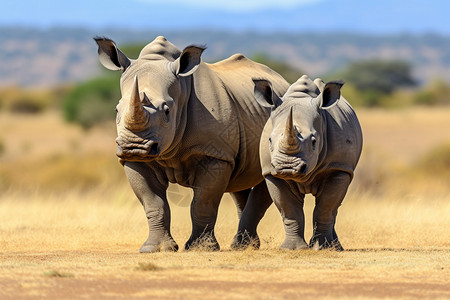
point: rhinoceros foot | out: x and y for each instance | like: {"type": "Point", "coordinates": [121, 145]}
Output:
{"type": "Point", "coordinates": [205, 242]}
{"type": "Point", "coordinates": [294, 243]}
{"type": "Point", "coordinates": [319, 244]}
{"type": "Point", "coordinates": [166, 245]}
{"type": "Point", "coordinates": [242, 241]}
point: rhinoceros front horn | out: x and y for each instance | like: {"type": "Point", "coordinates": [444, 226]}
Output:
{"type": "Point", "coordinates": [290, 143]}
{"type": "Point", "coordinates": [136, 117]}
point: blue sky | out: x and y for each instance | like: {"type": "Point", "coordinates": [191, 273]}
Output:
{"type": "Point", "coordinates": [371, 16]}
{"type": "Point", "coordinates": [238, 5]}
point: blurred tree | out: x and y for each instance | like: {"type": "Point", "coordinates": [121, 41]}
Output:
{"type": "Point", "coordinates": [288, 72]}
{"type": "Point", "coordinates": [374, 79]}
{"type": "Point", "coordinates": [379, 76]}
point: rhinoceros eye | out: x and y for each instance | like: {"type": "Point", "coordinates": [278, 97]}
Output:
{"type": "Point", "coordinates": [313, 142]}
{"type": "Point", "coordinates": [166, 109]}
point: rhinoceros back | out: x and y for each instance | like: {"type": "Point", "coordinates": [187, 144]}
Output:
{"type": "Point", "coordinates": [237, 74]}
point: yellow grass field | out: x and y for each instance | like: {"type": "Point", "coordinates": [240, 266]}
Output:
{"type": "Point", "coordinates": [70, 227]}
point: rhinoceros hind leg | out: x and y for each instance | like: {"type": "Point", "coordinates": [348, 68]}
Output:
{"type": "Point", "coordinates": [243, 240]}
{"type": "Point", "coordinates": [335, 243]}
{"type": "Point", "coordinates": [317, 244]}
{"type": "Point", "coordinates": [258, 202]}
{"type": "Point", "coordinates": [240, 199]}
{"type": "Point", "coordinates": [208, 191]}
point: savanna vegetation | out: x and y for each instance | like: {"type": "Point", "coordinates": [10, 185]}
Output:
{"type": "Point", "coordinates": [70, 226]}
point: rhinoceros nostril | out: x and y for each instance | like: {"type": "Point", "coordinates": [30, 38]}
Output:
{"type": "Point", "coordinates": [154, 149]}
{"type": "Point", "coordinates": [303, 169]}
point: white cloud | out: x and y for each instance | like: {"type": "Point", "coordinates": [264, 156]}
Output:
{"type": "Point", "coordinates": [238, 5]}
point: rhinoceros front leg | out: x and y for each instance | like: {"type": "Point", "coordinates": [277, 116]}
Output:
{"type": "Point", "coordinates": [328, 199]}
{"type": "Point", "coordinates": [257, 203]}
{"type": "Point", "coordinates": [211, 180]}
{"type": "Point", "coordinates": [151, 192]}
{"type": "Point", "coordinates": [289, 201]}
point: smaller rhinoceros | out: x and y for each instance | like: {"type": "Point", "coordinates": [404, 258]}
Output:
{"type": "Point", "coordinates": [310, 144]}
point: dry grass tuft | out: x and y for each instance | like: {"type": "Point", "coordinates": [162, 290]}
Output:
{"type": "Point", "coordinates": [54, 273]}
{"type": "Point", "coordinates": [147, 266]}
{"type": "Point", "coordinates": [205, 243]}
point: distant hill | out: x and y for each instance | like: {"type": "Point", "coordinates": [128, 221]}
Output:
{"type": "Point", "coordinates": [32, 57]}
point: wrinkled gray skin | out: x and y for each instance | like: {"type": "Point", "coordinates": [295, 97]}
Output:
{"type": "Point", "coordinates": [184, 121]}
{"type": "Point", "coordinates": [310, 144]}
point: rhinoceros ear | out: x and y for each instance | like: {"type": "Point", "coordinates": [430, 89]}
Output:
{"type": "Point", "coordinates": [320, 84]}
{"type": "Point", "coordinates": [188, 61]}
{"type": "Point", "coordinates": [265, 95]}
{"type": "Point", "coordinates": [330, 94]}
{"type": "Point", "coordinates": [110, 56]}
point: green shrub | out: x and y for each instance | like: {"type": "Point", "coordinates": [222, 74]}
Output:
{"type": "Point", "coordinates": [92, 102]}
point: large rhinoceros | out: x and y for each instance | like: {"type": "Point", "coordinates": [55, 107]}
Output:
{"type": "Point", "coordinates": [310, 144]}
{"type": "Point", "coordinates": [184, 121]}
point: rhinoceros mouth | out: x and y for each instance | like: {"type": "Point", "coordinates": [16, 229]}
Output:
{"type": "Point", "coordinates": [288, 167]}
{"type": "Point", "coordinates": [137, 150]}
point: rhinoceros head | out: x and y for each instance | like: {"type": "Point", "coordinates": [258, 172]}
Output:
{"type": "Point", "coordinates": [297, 134]}
{"type": "Point", "coordinates": [155, 88]}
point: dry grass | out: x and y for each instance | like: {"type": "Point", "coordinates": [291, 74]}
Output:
{"type": "Point", "coordinates": [82, 242]}
{"type": "Point", "coordinates": [398, 249]}
{"type": "Point", "coordinates": [404, 135]}
{"type": "Point", "coordinates": [85, 223]}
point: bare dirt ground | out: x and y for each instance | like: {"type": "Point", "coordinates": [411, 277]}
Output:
{"type": "Point", "coordinates": [83, 244]}
{"type": "Point", "coordinates": [265, 274]}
